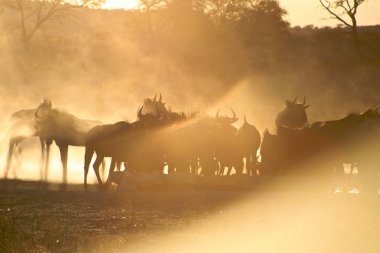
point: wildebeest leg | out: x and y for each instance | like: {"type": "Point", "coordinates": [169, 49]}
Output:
{"type": "Point", "coordinates": [249, 165]}
{"type": "Point", "coordinates": [194, 167]}
{"type": "Point", "coordinates": [87, 160]}
{"type": "Point", "coordinates": [353, 167]}
{"type": "Point", "coordinates": [229, 170]}
{"type": "Point", "coordinates": [126, 166]}
{"type": "Point", "coordinates": [64, 150]}
{"type": "Point", "coordinates": [253, 166]}
{"type": "Point", "coordinates": [118, 165]}
{"type": "Point", "coordinates": [197, 166]}
{"type": "Point", "coordinates": [208, 166]}
{"type": "Point", "coordinates": [221, 169]}
{"type": "Point", "coordinates": [18, 150]}
{"type": "Point", "coordinates": [111, 170]}
{"type": "Point", "coordinates": [11, 145]}
{"type": "Point", "coordinates": [103, 168]}
{"type": "Point", "coordinates": [167, 167]}
{"type": "Point", "coordinates": [239, 166]}
{"type": "Point", "coordinates": [47, 157]}
{"type": "Point", "coordinates": [170, 165]}
{"type": "Point", "coordinates": [42, 164]}
{"type": "Point", "coordinates": [96, 165]}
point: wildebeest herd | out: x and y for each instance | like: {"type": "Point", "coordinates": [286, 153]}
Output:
{"type": "Point", "coordinates": [204, 146]}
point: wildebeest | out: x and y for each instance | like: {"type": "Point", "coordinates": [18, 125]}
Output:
{"type": "Point", "coordinates": [293, 116]}
{"type": "Point", "coordinates": [101, 137]}
{"type": "Point", "coordinates": [227, 152]}
{"type": "Point", "coordinates": [183, 141]}
{"type": "Point", "coordinates": [191, 144]}
{"type": "Point", "coordinates": [274, 156]}
{"type": "Point", "coordinates": [64, 129]}
{"type": "Point", "coordinates": [248, 141]}
{"type": "Point", "coordinates": [236, 144]}
{"type": "Point", "coordinates": [323, 145]}
{"type": "Point", "coordinates": [130, 143]}
{"type": "Point", "coordinates": [23, 127]}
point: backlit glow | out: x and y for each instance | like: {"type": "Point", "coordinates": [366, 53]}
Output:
{"type": "Point", "coordinates": [121, 4]}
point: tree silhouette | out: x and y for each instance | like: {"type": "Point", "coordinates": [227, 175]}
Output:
{"type": "Point", "coordinates": [34, 14]}
{"type": "Point", "coordinates": [339, 9]}
{"type": "Point", "coordinates": [222, 10]}
{"type": "Point", "coordinates": [228, 13]}
{"type": "Point", "coordinates": [148, 6]}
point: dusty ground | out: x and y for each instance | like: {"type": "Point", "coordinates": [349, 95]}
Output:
{"type": "Point", "coordinates": [42, 219]}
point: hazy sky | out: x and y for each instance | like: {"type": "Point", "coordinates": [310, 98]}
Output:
{"type": "Point", "coordinates": [300, 12]}
{"type": "Point", "coordinates": [305, 12]}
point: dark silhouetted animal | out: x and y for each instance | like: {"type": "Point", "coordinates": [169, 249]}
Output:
{"type": "Point", "coordinates": [324, 145]}
{"type": "Point", "coordinates": [274, 157]}
{"type": "Point", "coordinates": [191, 145]}
{"type": "Point", "coordinates": [248, 141]}
{"type": "Point", "coordinates": [292, 117]}
{"type": "Point", "coordinates": [125, 142]}
{"type": "Point", "coordinates": [100, 139]}
{"type": "Point", "coordinates": [23, 127]}
{"type": "Point", "coordinates": [227, 152]}
{"type": "Point", "coordinates": [64, 129]}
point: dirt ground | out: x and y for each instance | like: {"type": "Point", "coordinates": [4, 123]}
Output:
{"type": "Point", "coordinates": [40, 218]}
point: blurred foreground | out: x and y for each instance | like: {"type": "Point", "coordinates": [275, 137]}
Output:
{"type": "Point", "coordinates": [37, 220]}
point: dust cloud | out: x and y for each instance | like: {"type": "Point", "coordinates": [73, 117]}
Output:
{"type": "Point", "coordinates": [101, 64]}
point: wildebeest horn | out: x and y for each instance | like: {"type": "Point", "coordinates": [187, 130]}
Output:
{"type": "Point", "coordinates": [154, 99]}
{"type": "Point", "coordinates": [234, 118]}
{"type": "Point", "coordinates": [295, 100]}
{"type": "Point", "coordinates": [139, 113]}
{"type": "Point", "coordinates": [245, 119]}
{"type": "Point", "coordinates": [217, 114]}
{"type": "Point", "coordinates": [304, 100]}
{"type": "Point", "coordinates": [160, 98]}
{"type": "Point", "coordinates": [233, 114]}
{"type": "Point", "coordinates": [36, 113]}
{"type": "Point", "coordinates": [47, 101]}
{"type": "Point", "coordinates": [38, 117]}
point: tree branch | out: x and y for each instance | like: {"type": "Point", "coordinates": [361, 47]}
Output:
{"type": "Point", "coordinates": [328, 8]}
{"type": "Point", "coordinates": [37, 12]}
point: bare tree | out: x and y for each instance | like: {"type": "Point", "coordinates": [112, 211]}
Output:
{"type": "Point", "coordinates": [34, 14]}
{"type": "Point", "coordinates": [340, 9]}
{"type": "Point", "coordinates": [148, 6]}
{"type": "Point", "coordinates": [231, 10]}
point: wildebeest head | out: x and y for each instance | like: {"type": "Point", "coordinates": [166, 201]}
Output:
{"type": "Point", "coordinates": [155, 106]}
{"type": "Point", "coordinates": [43, 109]}
{"type": "Point", "coordinates": [43, 118]}
{"type": "Point", "coordinates": [225, 120]}
{"type": "Point", "coordinates": [149, 118]}
{"type": "Point", "coordinates": [293, 116]}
